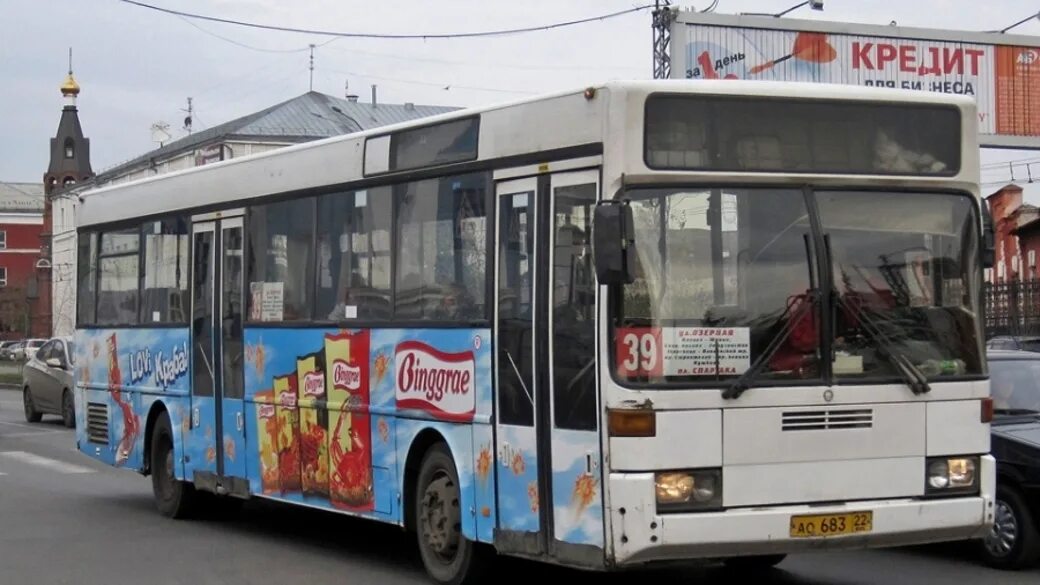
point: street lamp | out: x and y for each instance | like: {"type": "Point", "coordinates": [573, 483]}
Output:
{"type": "Point", "coordinates": [814, 4]}
{"type": "Point", "coordinates": [1023, 21]}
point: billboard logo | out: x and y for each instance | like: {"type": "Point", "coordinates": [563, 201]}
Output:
{"type": "Point", "coordinates": [1028, 57]}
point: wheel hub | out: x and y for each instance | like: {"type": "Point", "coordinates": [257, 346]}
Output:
{"type": "Point", "coordinates": [441, 518]}
{"type": "Point", "coordinates": [1004, 533]}
{"type": "Point", "coordinates": [166, 480]}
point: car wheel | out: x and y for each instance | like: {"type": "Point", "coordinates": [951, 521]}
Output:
{"type": "Point", "coordinates": [1012, 544]}
{"type": "Point", "coordinates": [68, 409]}
{"type": "Point", "coordinates": [448, 556]}
{"type": "Point", "coordinates": [174, 498]}
{"type": "Point", "coordinates": [31, 414]}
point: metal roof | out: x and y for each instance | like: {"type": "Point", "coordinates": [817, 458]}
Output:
{"type": "Point", "coordinates": [310, 116]}
{"type": "Point", "coordinates": [21, 197]}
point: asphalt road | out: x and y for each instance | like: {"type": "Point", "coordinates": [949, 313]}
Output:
{"type": "Point", "coordinates": [66, 520]}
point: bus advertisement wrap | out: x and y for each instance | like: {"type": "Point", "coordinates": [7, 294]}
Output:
{"type": "Point", "coordinates": [1003, 78]}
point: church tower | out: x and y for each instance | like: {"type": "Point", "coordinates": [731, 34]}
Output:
{"type": "Point", "coordinates": [69, 165]}
{"type": "Point", "coordinates": [70, 150]}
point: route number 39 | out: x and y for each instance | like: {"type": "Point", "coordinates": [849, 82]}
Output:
{"type": "Point", "coordinates": [638, 351]}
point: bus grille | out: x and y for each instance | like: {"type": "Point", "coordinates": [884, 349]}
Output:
{"type": "Point", "coordinates": [824, 420]}
{"type": "Point", "coordinates": [97, 422]}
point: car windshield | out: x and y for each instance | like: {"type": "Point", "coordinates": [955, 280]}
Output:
{"type": "Point", "coordinates": [1015, 385]}
{"type": "Point", "coordinates": [719, 272]}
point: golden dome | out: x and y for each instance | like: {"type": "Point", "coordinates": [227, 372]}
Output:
{"type": "Point", "coordinates": [70, 87]}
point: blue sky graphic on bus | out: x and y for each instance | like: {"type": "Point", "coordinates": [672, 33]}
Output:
{"type": "Point", "coordinates": [113, 367]}
{"type": "Point", "coordinates": [346, 455]}
{"type": "Point", "coordinates": [577, 490]}
{"type": "Point", "coordinates": [518, 497]}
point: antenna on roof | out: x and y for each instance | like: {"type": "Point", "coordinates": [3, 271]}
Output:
{"type": "Point", "coordinates": [346, 88]}
{"type": "Point", "coordinates": [161, 132]}
{"type": "Point", "coordinates": [312, 68]}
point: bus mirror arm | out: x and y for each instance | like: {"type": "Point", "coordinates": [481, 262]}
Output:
{"type": "Point", "coordinates": [614, 242]}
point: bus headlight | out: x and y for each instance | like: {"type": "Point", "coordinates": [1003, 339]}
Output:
{"type": "Point", "coordinates": [688, 490]}
{"type": "Point", "coordinates": [946, 475]}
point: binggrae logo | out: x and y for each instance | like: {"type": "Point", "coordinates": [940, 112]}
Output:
{"type": "Point", "coordinates": [432, 380]}
{"type": "Point", "coordinates": [313, 384]}
{"type": "Point", "coordinates": [171, 366]}
{"type": "Point", "coordinates": [345, 376]}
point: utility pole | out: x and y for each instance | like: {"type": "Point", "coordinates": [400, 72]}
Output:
{"type": "Point", "coordinates": [662, 27]}
{"type": "Point", "coordinates": [189, 118]}
{"type": "Point", "coordinates": [312, 68]}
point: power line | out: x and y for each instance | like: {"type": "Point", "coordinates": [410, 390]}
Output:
{"type": "Point", "coordinates": [445, 86]}
{"type": "Point", "coordinates": [460, 35]}
{"type": "Point", "coordinates": [243, 45]}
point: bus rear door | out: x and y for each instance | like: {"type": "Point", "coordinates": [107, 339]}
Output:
{"type": "Point", "coordinates": [215, 445]}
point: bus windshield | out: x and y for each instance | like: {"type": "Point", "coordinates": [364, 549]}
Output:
{"type": "Point", "coordinates": [724, 273]}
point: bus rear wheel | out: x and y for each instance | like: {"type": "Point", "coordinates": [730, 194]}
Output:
{"type": "Point", "coordinates": [448, 556]}
{"type": "Point", "coordinates": [174, 498]}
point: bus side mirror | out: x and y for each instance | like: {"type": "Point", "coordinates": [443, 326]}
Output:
{"type": "Point", "coordinates": [613, 242]}
{"type": "Point", "coordinates": [989, 245]}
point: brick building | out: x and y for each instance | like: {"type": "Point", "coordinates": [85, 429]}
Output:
{"type": "Point", "coordinates": [21, 224]}
{"type": "Point", "coordinates": [1010, 216]}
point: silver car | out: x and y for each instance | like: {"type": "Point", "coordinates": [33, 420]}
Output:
{"type": "Point", "coordinates": [47, 382]}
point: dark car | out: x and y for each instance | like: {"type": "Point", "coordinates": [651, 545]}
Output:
{"type": "Point", "coordinates": [1015, 386]}
{"type": "Point", "coordinates": [1028, 343]}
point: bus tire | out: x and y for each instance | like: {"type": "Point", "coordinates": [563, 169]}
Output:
{"type": "Point", "coordinates": [174, 498]}
{"type": "Point", "coordinates": [447, 555]}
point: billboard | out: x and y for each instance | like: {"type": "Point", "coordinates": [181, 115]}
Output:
{"type": "Point", "coordinates": [1002, 72]}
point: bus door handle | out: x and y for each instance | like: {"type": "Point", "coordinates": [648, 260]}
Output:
{"type": "Point", "coordinates": [238, 421]}
{"type": "Point", "coordinates": [195, 417]}
{"type": "Point", "coordinates": [590, 462]}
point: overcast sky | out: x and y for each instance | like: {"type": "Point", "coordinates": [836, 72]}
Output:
{"type": "Point", "coordinates": [137, 67]}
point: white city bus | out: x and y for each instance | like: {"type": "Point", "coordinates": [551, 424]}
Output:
{"type": "Point", "coordinates": [642, 322]}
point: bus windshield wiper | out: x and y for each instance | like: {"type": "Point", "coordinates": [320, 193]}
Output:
{"type": "Point", "coordinates": [795, 317]}
{"type": "Point", "coordinates": [911, 374]}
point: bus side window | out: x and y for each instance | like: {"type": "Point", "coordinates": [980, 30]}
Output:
{"type": "Point", "coordinates": [441, 249]}
{"type": "Point", "coordinates": [352, 280]}
{"type": "Point", "coordinates": [281, 253]}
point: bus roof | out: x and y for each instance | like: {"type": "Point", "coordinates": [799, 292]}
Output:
{"type": "Point", "coordinates": [339, 159]}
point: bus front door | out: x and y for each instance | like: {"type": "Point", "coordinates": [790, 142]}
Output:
{"type": "Point", "coordinates": [215, 446]}
{"type": "Point", "coordinates": [549, 480]}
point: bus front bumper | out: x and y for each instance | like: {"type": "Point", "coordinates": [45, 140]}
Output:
{"type": "Point", "coordinates": [640, 535]}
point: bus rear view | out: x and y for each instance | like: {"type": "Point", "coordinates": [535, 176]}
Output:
{"type": "Point", "coordinates": [791, 350]}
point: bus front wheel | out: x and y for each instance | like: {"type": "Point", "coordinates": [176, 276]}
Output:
{"type": "Point", "coordinates": [448, 556]}
{"type": "Point", "coordinates": [174, 498]}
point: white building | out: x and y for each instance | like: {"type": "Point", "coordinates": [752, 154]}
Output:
{"type": "Point", "coordinates": [311, 116]}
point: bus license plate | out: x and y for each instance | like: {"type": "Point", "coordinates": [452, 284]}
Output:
{"type": "Point", "coordinates": [831, 524]}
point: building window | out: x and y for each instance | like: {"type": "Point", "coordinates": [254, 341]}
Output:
{"type": "Point", "coordinates": [3, 276]}
{"type": "Point", "coordinates": [3, 239]}
{"type": "Point", "coordinates": [70, 148]}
